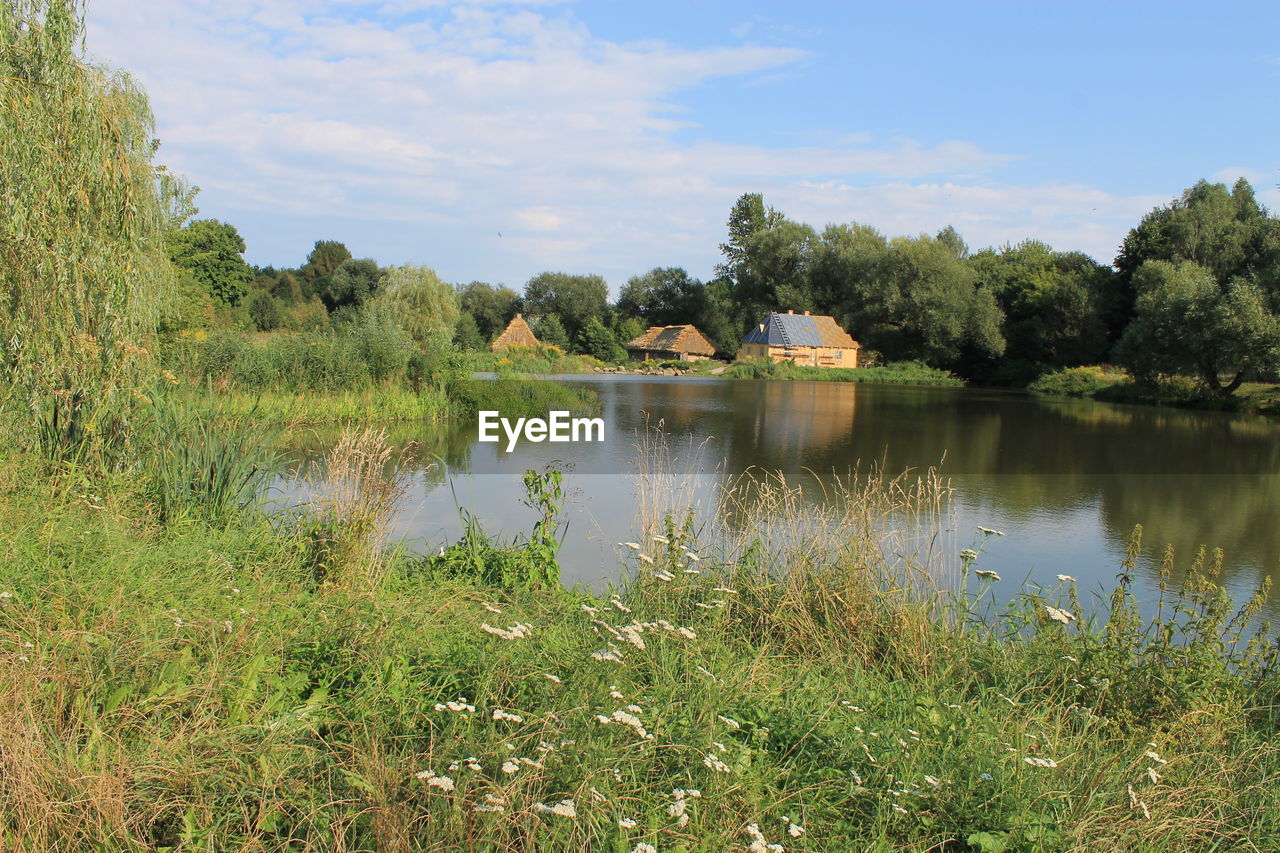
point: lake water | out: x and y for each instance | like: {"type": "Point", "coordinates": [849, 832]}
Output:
{"type": "Point", "coordinates": [1066, 481]}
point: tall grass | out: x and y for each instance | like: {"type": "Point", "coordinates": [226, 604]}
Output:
{"type": "Point", "coordinates": [775, 681]}
{"type": "Point", "coordinates": [898, 373]}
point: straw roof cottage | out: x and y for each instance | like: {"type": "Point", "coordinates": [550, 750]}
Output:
{"type": "Point", "coordinates": [516, 334]}
{"type": "Point", "coordinates": [671, 343]}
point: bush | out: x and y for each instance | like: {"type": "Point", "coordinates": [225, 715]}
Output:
{"type": "Point", "coordinates": [264, 311]}
{"type": "Point", "coordinates": [1076, 381]}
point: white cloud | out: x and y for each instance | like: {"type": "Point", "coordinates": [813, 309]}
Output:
{"type": "Point", "coordinates": [435, 126]}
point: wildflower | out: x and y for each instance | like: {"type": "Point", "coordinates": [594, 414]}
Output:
{"type": "Point", "coordinates": [235, 591]}
{"type": "Point", "coordinates": [1154, 756]}
{"type": "Point", "coordinates": [635, 546]}
{"type": "Point", "coordinates": [603, 720]}
{"type": "Point", "coordinates": [711, 605]}
{"type": "Point", "coordinates": [664, 575]}
{"type": "Point", "coordinates": [933, 780]}
{"type": "Point", "coordinates": [687, 633]}
{"type": "Point", "coordinates": [555, 679]}
{"type": "Point", "coordinates": [724, 589]}
{"type": "Point", "coordinates": [587, 608]}
{"type": "Point", "coordinates": [1037, 761]}
{"type": "Point", "coordinates": [529, 762]}
{"type": "Point", "coordinates": [596, 796]}
{"type": "Point", "coordinates": [986, 574]}
{"type": "Point", "coordinates": [606, 654]}
{"type": "Point", "coordinates": [631, 633]}
{"type": "Point", "coordinates": [692, 556]}
{"type": "Point", "coordinates": [1066, 579]}
{"type": "Point", "coordinates": [492, 608]}
{"type": "Point", "coordinates": [693, 571]}
{"type": "Point", "coordinates": [613, 692]}
{"type": "Point", "coordinates": [564, 808]}
{"type": "Point", "coordinates": [618, 604]}
{"type": "Point", "coordinates": [497, 801]}
{"type": "Point", "coordinates": [987, 531]}
{"type": "Point", "coordinates": [515, 632]}
{"type": "Point", "coordinates": [968, 555]}
{"type": "Point", "coordinates": [713, 762]}
{"type": "Point", "coordinates": [1063, 616]}
{"type": "Point", "coordinates": [664, 540]}
{"type": "Point", "coordinates": [488, 808]}
{"type": "Point", "coordinates": [6, 595]}
{"type": "Point", "coordinates": [731, 723]}
{"type": "Point", "coordinates": [444, 783]}
{"type": "Point", "coordinates": [228, 626]}
{"type": "Point", "coordinates": [499, 714]}
{"type": "Point", "coordinates": [626, 823]}
{"type": "Point", "coordinates": [459, 707]}
{"type": "Point", "coordinates": [702, 669]}
{"type": "Point", "coordinates": [642, 847]}
{"type": "Point", "coordinates": [632, 721]}
{"type": "Point", "coordinates": [645, 558]}
{"type": "Point", "coordinates": [1153, 775]}
{"type": "Point", "coordinates": [899, 809]}
{"type": "Point", "coordinates": [986, 777]}
{"type": "Point", "coordinates": [718, 745]}
{"type": "Point", "coordinates": [795, 830]}
{"type": "Point", "coordinates": [509, 767]}
{"type": "Point", "coordinates": [635, 709]}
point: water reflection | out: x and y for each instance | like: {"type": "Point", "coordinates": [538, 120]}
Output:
{"type": "Point", "coordinates": [1067, 480]}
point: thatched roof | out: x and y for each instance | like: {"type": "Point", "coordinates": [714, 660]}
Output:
{"type": "Point", "coordinates": [685, 339]}
{"type": "Point", "coordinates": [801, 330]}
{"type": "Point", "coordinates": [516, 334]}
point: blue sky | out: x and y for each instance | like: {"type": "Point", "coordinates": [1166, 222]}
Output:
{"type": "Point", "coordinates": [495, 140]}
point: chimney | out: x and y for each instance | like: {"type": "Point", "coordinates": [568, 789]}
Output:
{"type": "Point", "coordinates": [791, 310]}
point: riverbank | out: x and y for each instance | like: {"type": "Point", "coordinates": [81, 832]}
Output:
{"type": "Point", "coordinates": [1113, 385]}
{"type": "Point", "coordinates": [286, 684]}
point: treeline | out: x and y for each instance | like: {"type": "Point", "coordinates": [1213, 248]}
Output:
{"type": "Point", "coordinates": [1194, 291]}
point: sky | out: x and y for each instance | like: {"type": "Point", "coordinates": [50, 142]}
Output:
{"type": "Point", "coordinates": [495, 140]}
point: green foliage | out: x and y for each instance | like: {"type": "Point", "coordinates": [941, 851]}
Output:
{"type": "Point", "coordinates": [490, 307]}
{"type": "Point", "coordinates": [264, 311]}
{"type": "Point", "coordinates": [425, 307]}
{"type": "Point", "coordinates": [1076, 381]}
{"type": "Point", "coordinates": [467, 334]}
{"type": "Point", "coordinates": [598, 341]}
{"type": "Point", "coordinates": [352, 283]}
{"type": "Point", "coordinates": [1186, 322]}
{"type": "Point", "coordinates": [897, 373]}
{"type": "Point", "coordinates": [325, 258]}
{"type": "Point", "coordinates": [572, 299]}
{"type": "Point", "coordinates": [550, 331]}
{"type": "Point", "coordinates": [212, 252]}
{"type": "Point", "coordinates": [83, 268]}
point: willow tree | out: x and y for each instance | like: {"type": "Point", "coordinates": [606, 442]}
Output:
{"type": "Point", "coordinates": [83, 267]}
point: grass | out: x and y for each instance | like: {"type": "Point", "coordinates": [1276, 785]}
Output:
{"type": "Point", "coordinates": [772, 675]}
{"type": "Point", "coordinates": [1114, 385]}
{"type": "Point", "coordinates": [897, 373]}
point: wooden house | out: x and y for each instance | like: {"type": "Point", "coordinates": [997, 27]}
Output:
{"type": "Point", "coordinates": [671, 343]}
{"type": "Point", "coordinates": [516, 334]}
{"type": "Point", "coordinates": [809, 339]}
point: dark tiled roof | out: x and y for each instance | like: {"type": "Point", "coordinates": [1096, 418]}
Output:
{"type": "Point", "coordinates": [674, 339]}
{"type": "Point", "coordinates": [800, 330]}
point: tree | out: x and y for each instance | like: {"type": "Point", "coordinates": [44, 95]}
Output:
{"type": "Point", "coordinates": [748, 217]}
{"type": "Point", "coordinates": [664, 296]}
{"type": "Point", "coordinates": [775, 271]}
{"type": "Point", "coordinates": [596, 339]}
{"type": "Point", "coordinates": [425, 306]}
{"type": "Point", "coordinates": [491, 307]}
{"type": "Point", "coordinates": [550, 331]}
{"type": "Point", "coordinates": [264, 311]}
{"type": "Point", "coordinates": [574, 299]}
{"type": "Point", "coordinates": [325, 257]}
{"type": "Point", "coordinates": [84, 270]}
{"type": "Point", "coordinates": [352, 283]}
{"type": "Point", "coordinates": [213, 252]}
{"type": "Point", "coordinates": [466, 335]}
{"type": "Point", "coordinates": [1185, 322]}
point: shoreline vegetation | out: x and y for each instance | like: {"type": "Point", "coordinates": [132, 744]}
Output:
{"type": "Point", "coordinates": [187, 672]}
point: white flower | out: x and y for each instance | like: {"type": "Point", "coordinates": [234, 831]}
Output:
{"type": "Point", "coordinates": [626, 823]}
{"type": "Point", "coordinates": [794, 829]}
{"type": "Point", "coordinates": [642, 847]}
{"type": "Point", "coordinates": [635, 709]}
{"type": "Point", "coordinates": [1066, 579]}
{"type": "Point", "coordinates": [552, 678]}
{"type": "Point", "coordinates": [645, 558]}
{"type": "Point", "coordinates": [934, 781]}
{"type": "Point", "coordinates": [510, 767]}
{"type": "Point", "coordinates": [6, 595]}
{"type": "Point", "coordinates": [490, 606]}
{"type": "Point", "coordinates": [618, 604]}
{"type": "Point", "coordinates": [606, 654]}
{"type": "Point", "coordinates": [613, 692]}
{"type": "Point", "coordinates": [461, 706]}
{"type": "Point", "coordinates": [1037, 761]}
{"type": "Point", "coordinates": [635, 546]}
{"type": "Point", "coordinates": [724, 589]}
{"type": "Point", "coordinates": [728, 721]}
{"type": "Point", "coordinates": [515, 632]}
{"type": "Point", "coordinates": [664, 575]}
{"type": "Point", "coordinates": [444, 783]}
{"type": "Point", "coordinates": [488, 808]}
{"type": "Point", "coordinates": [987, 574]}
{"type": "Point", "coordinates": [969, 554]}
{"type": "Point", "coordinates": [1154, 756]}
{"type": "Point", "coordinates": [713, 762]}
{"type": "Point", "coordinates": [986, 777]}
{"type": "Point", "coordinates": [987, 531]}
{"type": "Point", "coordinates": [692, 556]}
{"type": "Point", "coordinates": [587, 608]}
{"type": "Point", "coordinates": [499, 714]}
{"type": "Point", "coordinates": [1063, 616]}
{"type": "Point", "coordinates": [1153, 775]}
{"type": "Point", "coordinates": [688, 633]}
{"type": "Point", "coordinates": [564, 808]}
{"type": "Point", "coordinates": [664, 540]}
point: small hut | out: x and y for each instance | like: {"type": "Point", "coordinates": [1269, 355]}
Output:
{"type": "Point", "coordinates": [516, 334]}
{"type": "Point", "coordinates": [809, 339]}
{"type": "Point", "coordinates": [671, 343]}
